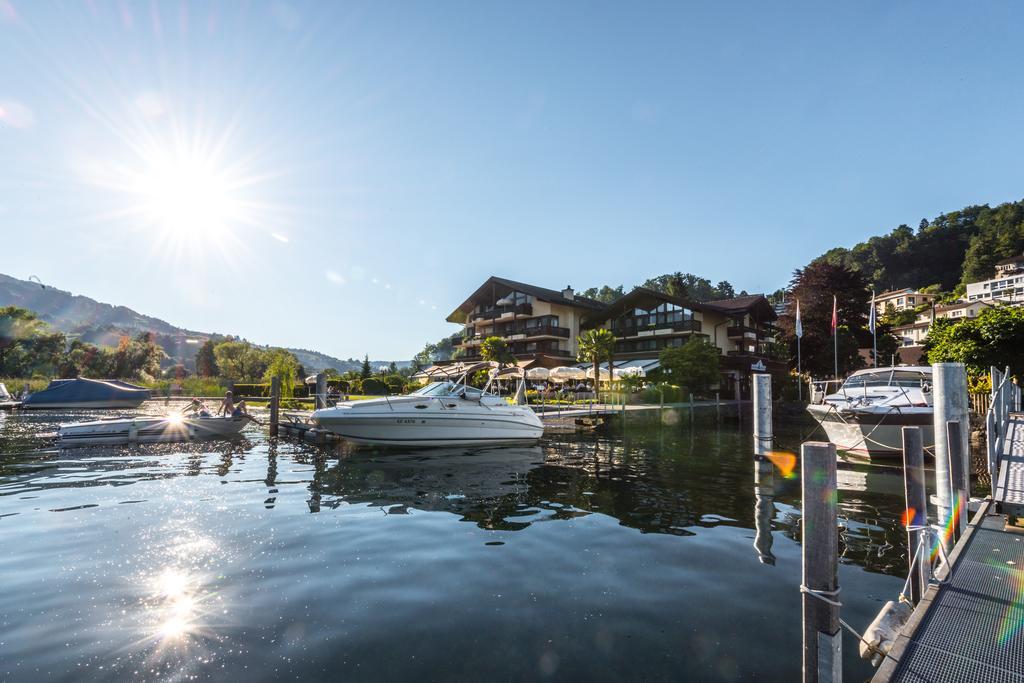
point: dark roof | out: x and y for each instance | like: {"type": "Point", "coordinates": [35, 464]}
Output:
{"type": "Point", "coordinates": [645, 296]}
{"type": "Point", "coordinates": [541, 293]}
{"type": "Point", "coordinates": [637, 296]}
{"type": "Point", "coordinates": [745, 304]}
{"type": "Point", "coordinates": [1008, 261]}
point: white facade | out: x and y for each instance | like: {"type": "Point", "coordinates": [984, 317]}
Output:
{"type": "Point", "coordinates": [901, 300]}
{"type": "Point", "coordinates": [1007, 285]}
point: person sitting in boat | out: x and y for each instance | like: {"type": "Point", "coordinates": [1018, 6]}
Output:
{"type": "Point", "coordinates": [229, 408]}
{"type": "Point", "coordinates": [199, 408]}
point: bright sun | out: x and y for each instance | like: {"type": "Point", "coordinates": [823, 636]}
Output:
{"type": "Point", "coordinates": [187, 196]}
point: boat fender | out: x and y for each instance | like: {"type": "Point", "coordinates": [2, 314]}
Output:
{"type": "Point", "coordinates": [880, 636]}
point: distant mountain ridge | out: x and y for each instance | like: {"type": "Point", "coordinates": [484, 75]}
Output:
{"type": "Point", "coordinates": [100, 323]}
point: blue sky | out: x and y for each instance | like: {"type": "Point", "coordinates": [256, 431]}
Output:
{"type": "Point", "coordinates": [340, 176]}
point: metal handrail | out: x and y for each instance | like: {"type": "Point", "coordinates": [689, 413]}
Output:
{"type": "Point", "coordinates": [1005, 398]}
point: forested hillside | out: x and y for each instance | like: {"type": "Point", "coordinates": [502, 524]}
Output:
{"type": "Point", "coordinates": [951, 250]}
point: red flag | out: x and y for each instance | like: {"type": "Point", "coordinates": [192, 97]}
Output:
{"type": "Point", "coordinates": [835, 315]}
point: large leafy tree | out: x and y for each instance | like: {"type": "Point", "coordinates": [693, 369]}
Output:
{"type": "Point", "coordinates": [814, 286]}
{"type": "Point", "coordinates": [285, 366]}
{"type": "Point", "coordinates": [693, 365]}
{"type": "Point", "coordinates": [496, 350]}
{"type": "Point", "coordinates": [995, 337]}
{"type": "Point", "coordinates": [596, 346]}
{"type": "Point", "coordinates": [240, 361]}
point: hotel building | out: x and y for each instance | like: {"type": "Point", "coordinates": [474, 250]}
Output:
{"type": "Point", "coordinates": [541, 327]}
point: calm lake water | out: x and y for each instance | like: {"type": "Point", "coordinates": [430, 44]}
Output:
{"type": "Point", "coordinates": [650, 553]}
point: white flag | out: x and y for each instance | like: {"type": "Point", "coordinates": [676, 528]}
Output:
{"type": "Point", "coordinates": [799, 326]}
{"type": "Point", "coordinates": [871, 315]}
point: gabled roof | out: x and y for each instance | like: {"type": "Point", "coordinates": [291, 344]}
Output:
{"type": "Point", "coordinates": [644, 297]}
{"type": "Point", "coordinates": [962, 304]}
{"type": "Point", "coordinates": [751, 303]}
{"type": "Point", "coordinates": [637, 297]}
{"type": "Point", "coordinates": [1012, 259]}
{"type": "Point", "coordinates": [503, 286]}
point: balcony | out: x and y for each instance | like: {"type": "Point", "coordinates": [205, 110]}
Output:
{"type": "Point", "coordinates": [741, 331]}
{"type": "Point", "coordinates": [498, 312]}
{"type": "Point", "coordinates": [663, 328]}
{"type": "Point", "coordinates": [529, 332]}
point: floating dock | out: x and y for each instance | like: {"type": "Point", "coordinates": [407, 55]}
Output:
{"type": "Point", "coordinates": [971, 626]}
{"type": "Point", "coordinates": [968, 628]}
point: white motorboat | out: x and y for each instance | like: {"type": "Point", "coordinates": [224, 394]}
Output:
{"type": "Point", "coordinates": [149, 429]}
{"type": "Point", "coordinates": [439, 414]}
{"type": "Point", "coordinates": [867, 414]}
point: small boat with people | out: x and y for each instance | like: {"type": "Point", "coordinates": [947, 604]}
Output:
{"type": "Point", "coordinates": [193, 424]}
{"type": "Point", "coordinates": [442, 413]}
{"type": "Point", "coordinates": [867, 413]}
{"type": "Point", "coordinates": [88, 394]}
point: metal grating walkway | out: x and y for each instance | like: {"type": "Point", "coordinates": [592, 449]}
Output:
{"type": "Point", "coordinates": [972, 628]}
{"type": "Point", "coordinates": [1009, 489]}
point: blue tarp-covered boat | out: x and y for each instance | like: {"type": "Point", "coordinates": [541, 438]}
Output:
{"type": "Point", "coordinates": [87, 393]}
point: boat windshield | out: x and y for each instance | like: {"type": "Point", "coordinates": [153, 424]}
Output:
{"type": "Point", "coordinates": [889, 378]}
{"type": "Point", "coordinates": [435, 389]}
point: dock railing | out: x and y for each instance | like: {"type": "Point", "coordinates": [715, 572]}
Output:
{"type": "Point", "coordinates": [1005, 398]}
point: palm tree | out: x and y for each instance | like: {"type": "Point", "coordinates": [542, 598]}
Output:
{"type": "Point", "coordinates": [595, 345]}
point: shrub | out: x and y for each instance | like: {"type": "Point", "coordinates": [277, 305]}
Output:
{"type": "Point", "coordinates": [243, 390]}
{"type": "Point", "coordinates": [374, 387]}
{"type": "Point", "coordinates": [672, 393]}
{"type": "Point", "coordinates": [395, 383]}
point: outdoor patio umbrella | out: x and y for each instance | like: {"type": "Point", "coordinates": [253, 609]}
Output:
{"type": "Point", "coordinates": [538, 373]}
{"type": "Point", "coordinates": [564, 374]}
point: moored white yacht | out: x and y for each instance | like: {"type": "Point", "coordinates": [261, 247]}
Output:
{"type": "Point", "coordinates": [868, 412]}
{"type": "Point", "coordinates": [447, 413]}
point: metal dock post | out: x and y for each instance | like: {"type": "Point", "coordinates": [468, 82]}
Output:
{"type": "Point", "coordinates": [762, 414]}
{"type": "Point", "coordinates": [917, 510]}
{"type": "Point", "coordinates": [822, 661]}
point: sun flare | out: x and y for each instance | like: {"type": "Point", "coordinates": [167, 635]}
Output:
{"type": "Point", "coordinates": [187, 195]}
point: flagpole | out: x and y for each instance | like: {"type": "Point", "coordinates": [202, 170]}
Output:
{"type": "Point", "coordinates": [835, 350]}
{"type": "Point", "coordinates": [835, 334]}
{"type": "Point", "coordinates": [799, 373]}
{"type": "Point", "coordinates": [874, 333]}
{"type": "Point", "coordinates": [798, 330]}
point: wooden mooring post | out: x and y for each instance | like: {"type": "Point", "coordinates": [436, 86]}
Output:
{"type": "Point", "coordinates": [957, 478]}
{"type": "Point", "coordinates": [321, 391]}
{"type": "Point", "coordinates": [917, 511]}
{"type": "Point", "coordinates": [718, 406]}
{"type": "Point", "coordinates": [822, 640]}
{"type": "Point", "coordinates": [762, 414]}
{"type": "Point", "coordinates": [275, 403]}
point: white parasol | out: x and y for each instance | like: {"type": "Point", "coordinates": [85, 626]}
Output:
{"type": "Point", "coordinates": [564, 374]}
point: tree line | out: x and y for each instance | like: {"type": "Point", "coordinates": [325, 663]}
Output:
{"type": "Point", "coordinates": [949, 251]}
{"type": "Point", "coordinates": [30, 347]}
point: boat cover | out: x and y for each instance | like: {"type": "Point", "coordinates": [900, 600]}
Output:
{"type": "Point", "coordinates": [83, 390]}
